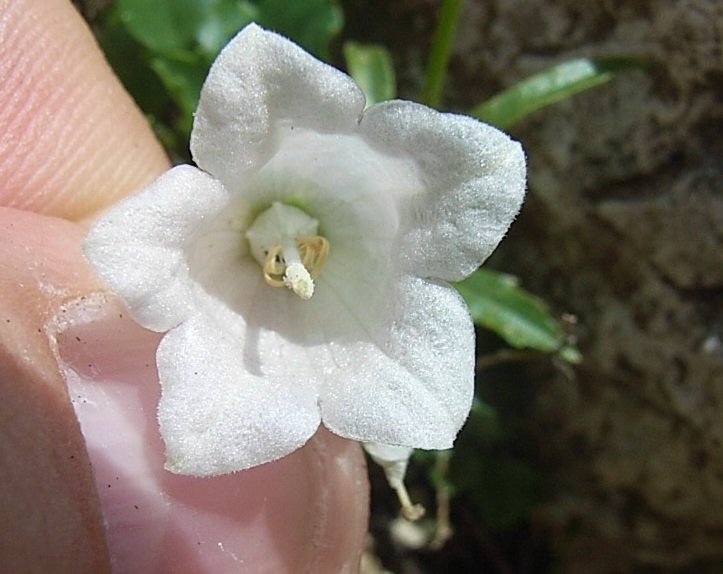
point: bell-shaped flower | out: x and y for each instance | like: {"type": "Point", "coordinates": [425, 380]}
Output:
{"type": "Point", "coordinates": [301, 270]}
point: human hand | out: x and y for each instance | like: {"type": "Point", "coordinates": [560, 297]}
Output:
{"type": "Point", "coordinates": [72, 143]}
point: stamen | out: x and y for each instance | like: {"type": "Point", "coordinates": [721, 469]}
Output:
{"type": "Point", "coordinates": [314, 251]}
{"type": "Point", "coordinates": [274, 267]}
{"type": "Point", "coordinates": [409, 511]}
{"type": "Point", "coordinates": [296, 265]}
{"type": "Point", "coordinates": [284, 241]}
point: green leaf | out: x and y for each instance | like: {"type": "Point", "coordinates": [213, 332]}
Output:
{"type": "Point", "coordinates": [222, 20]}
{"type": "Point", "coordinates": [127, 57]}
{"type": "Point", "coordinates": [484, 424]}
{"type": "Point", "coordinates": [164, 26]}
{"type": "Point", "coordinates": [371, 67]}
{"type": "Point", "coordinates": [171, 42]}
{"type": "Point", "coordinates": [498, 303]}
{"type": "Point", "coordinates": [311, 23]}
{"type": "Point", "coordinates": [182, 78]}
{"type": "Point", "coordinates": [504, 489]}
{"type": "Point", "coordinates": [179, 39]}
{"type": "Point", "coordinates": [483, 428]}
{"type": "Point", "coordinates": [170, 27]}
{"type": "Point", "coordinates": [502, 486]}
{"type": "Point", "coordinates": [548, 87]}
{"type": "Point", "coordinates": [440, 52]}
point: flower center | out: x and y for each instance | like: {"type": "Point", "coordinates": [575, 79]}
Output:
{"type": "Point", "coordinates": [284, 241]}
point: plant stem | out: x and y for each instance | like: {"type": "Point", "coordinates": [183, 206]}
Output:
{"type": "Point", "coordinates": [440, 51]}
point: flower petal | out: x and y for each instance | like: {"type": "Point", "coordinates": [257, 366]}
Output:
{"type": "Point", "coordinates": [259, 82]}
{"type": "Point", "coordinates": [308, 510]}
{"type": "Point", "coordinates": [221, 411]}
{"type": "Point", "coordinates": [137, 247]}
{"type": "Point", "coordinates": [328, 176]}
{"type": "Point", "coordinates": [474, 177]}
{"type": "Point", "coordinates": [408, 382]}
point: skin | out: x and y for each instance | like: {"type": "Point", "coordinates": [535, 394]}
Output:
{"type": "Point", "coordinates": [82, 484]}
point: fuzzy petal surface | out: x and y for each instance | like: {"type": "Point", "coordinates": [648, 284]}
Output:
{"type": "Point", "coordinates": [304, 513]}
{"type": "Point", "coordinates": [138, 246]}
{"type": "Point", "coordinates": [259, 83]}
{"type": "Point", "coordinates": [474, 182]}
{"type": "Point", "coordinates": [410, 381]}
{"type": "Point", "coordinates": [217, 415]}
{"type": "Point", "coordinates": [406, 198]}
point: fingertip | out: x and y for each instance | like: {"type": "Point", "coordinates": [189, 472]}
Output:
{"type": "Point", "coordinates": [344, 522]}
{"type": "Point", "coordinates": [305, 513]}
{"type": "Point", "coordinates": [72, 140]}
{"type": "Point", "coordinates": [51, 520]}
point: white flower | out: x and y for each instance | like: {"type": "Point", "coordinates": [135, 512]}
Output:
{"type": "Point", "coordinates": [301, 272]}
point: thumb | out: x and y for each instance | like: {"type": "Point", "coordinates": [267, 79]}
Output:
{"type": "Point", "coordinates": [51, 518]}
{"type": "Point", "coordinates": [72, 140]}
{"type": "Point", "coordinates": [304, 513]}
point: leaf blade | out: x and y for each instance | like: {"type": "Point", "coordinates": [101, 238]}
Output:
{"type": "Point", "coordinates": [548, 87]}
{"type": "Point", "coordinates": [372, 69]}
{"type": "Point", "coordinates": [498, 303]}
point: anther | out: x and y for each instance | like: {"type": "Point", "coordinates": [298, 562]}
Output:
{"type": "Point", "coordinates": [409, 511]}
{"type": "Point", "coordinates": [274, 267]}
{"type": "Point", "coordinates": [314, 251]}
{"type": "Point", "coordinates": [284, 241]}
{"type": "Point", "coordinates": [295, 265]}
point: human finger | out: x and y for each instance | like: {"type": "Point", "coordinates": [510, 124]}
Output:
{"type": "Point", "coordinates": [304, 513]}
{"type": "Point", "coordinates": [72, 139]}
{"type": "Point", "coordinates": [51, 517]}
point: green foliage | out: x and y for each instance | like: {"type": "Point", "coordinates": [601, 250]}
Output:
{"type": "Point", "coordinates": [503, 486]}
{"type": "Point", "coordinates": [372, 69]}
{"type": "Point", "coordinates": [497, 302]}
{"type": "Point", "coordinates": [310, 23]}
{"type": "Point", "coordinates": [558, 83]}
{"type": "Point", "coordinates": [182, 29]}
{"type": "Point", "coordinates": [162, 50]}
{"type": "Point", "coordinates": [440, 52]}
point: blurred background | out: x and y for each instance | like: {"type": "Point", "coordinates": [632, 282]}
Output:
{"type": "Point", "coordinates": [602, 451]}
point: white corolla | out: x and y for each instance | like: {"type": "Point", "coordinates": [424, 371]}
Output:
{"type": "Point", "coordinates": [300, 271]}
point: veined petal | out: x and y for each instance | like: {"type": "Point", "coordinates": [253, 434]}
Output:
{"type": "Point", "coordinates": [260, 82]}
{"type": "Point", "coordinates": [339, 178]}
{"type": "Point", "coordinates": [138, 245]}
{"type": "Point", "coordinates": [410, 381]}
{"type": "Point", "coordinates": [217, 414]}
{"type": "Point", "coordinates": [474, 182]}
{"type": "Point", "coordinates": [353, 190]}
